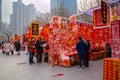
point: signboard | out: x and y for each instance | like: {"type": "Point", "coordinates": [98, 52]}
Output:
{"type": "Point", "coordinates": [115, 29]}
{"type": "Point", "coordinates": [104, 11]}
{"type": "Point", "coordinates": [34, 29]}
{"type": "Point", "coordinates": [97, 19]}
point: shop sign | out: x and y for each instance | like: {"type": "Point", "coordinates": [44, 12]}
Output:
{"type": "Point", "coordinates": [104, 11]}
{"type": "Point", "coordinates": [97, 18]}
{"type": "Point", "coordinates": [34, 29]}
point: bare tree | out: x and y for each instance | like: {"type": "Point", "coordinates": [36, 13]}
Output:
{"type": "Point", "coordinates": [43, 18]}
{"type": "Point", "coordinates": [7, 31]}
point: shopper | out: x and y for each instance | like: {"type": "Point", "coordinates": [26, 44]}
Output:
{"type": "Point", "coordinates": [108, 50]}
{"type": "Point", "coordinates": [26, 48]}
{"type": "Point", "coordinates": [17, 46]}
{"type": "Point", "coordinates": [39, 49]}
{"type": "Point", "coordinates": [3, 47]}
{"type": "Point", "coordinates": [7, 48]}
{"type": "Point", "coordinates": [31, 48]}
{"type": "Point", "coordinates": [87, 53]}
{"type": "Point", "coordinates": [45, 53]}
{"type": "Point", "coordinates": [12, 48]}
{"type": "Point", "coordinates": [81, 48]}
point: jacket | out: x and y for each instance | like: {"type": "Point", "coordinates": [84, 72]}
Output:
{"type": "Point", "coordinates": [31, 46]}
{"type": "Point", "coordinates": [81, 47]}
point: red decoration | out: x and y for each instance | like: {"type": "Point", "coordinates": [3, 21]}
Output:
{"type": "Point", "coordinates": [115, 29]}
{"type": "Point", "coordinates": [98, 19]}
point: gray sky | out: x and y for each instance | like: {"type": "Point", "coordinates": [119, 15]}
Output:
{"type": "Point", "coordinates": [41, 5]}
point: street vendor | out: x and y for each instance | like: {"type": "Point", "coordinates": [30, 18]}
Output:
{"type": "Point", "coordinates": [108, 50]}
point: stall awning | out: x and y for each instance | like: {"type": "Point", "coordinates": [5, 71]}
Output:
{"type": "Point", "coordinates": [90, 11]}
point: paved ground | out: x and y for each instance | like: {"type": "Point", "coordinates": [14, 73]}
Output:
{"type": "Point", "coordinates": [15, 67]}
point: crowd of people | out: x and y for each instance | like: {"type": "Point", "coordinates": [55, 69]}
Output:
{"type": "Point", "coordinates": [9, 47]}
{"type": "Point", "coordinates": [33, 48]}
{"type": "Point", "coordinates": [40, 49]}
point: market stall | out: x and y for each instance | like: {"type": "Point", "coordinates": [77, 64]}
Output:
{"type": "Point", "coordinates": [62, 36]}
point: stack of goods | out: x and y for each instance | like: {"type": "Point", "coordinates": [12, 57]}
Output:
{"type": "Point", "coordinates": [115, 47]}
{"type": "Point", "coordinates": [111, 69]}
{"type": "Point", "coordinates": [62, 41]}
{"type": "Point", "coordinates": [45, 31]}
{"type": "Point", "coordinates": [62, 36]}
{"type": "Point", "coordinates": [97, 53]}
{"type": "Point", "coordinates": [100, 36]}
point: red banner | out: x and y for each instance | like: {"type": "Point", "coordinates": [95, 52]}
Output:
{"type": "Point", "coordinates": [104, 11]}
{"type": "Point", "coordinates": [98, 19]}
{"type": "Point", "coordinates": [115, 29]}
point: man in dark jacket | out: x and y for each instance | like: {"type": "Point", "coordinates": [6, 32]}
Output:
{"type": "Point", "coordinates": [81, 48]}
{"type": "Point", "coordinates": [39, 49]}
{"type": "Point", "coordinates": [17, 47]}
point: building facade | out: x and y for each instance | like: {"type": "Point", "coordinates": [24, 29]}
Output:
{"type": "Point", "coordinates": [30, 14]}
{"type": "Point", "coordinates": [21, 17]}
{"type": "Point", "coordinates": [0, 15]}
{"type": "Point", "coordinates": [88, 4]}
{"type": "Point", "coordinates": [63, 7]}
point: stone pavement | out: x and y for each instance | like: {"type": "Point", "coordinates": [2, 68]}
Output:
{"type": "Point", "coordinates": [16, 67]}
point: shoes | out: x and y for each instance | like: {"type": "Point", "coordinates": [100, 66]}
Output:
{"type": "Point", "coordinates": [38, 61]}
{"type": "Point", "coordinates": [33, 62]}
{"type": "Point", "coordinates": [18, 54]}
{"type": "Point", "coordinates": [30, 63]}
{"type": "Point", "coordinates": [85, 66]}
{"type": "Point", "coordinates": [81, 68]}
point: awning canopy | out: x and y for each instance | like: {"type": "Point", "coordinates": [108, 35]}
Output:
{"type": "Point", "coordinates": [90, 11]}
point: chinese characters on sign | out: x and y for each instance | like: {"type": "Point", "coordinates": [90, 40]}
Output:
{"type": "Point", "coordinates": [97, 17]}
{"type": "Point", "coordinates": [35, 29]}
{"type": "Point", "coordinates": [104, 11]}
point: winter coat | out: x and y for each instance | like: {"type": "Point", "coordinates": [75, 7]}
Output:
{"type": "Point", "coordinates": [17, 45]}
{"type": "Point", "coordinates": [81, 47]}
{"type": "Point", "coordinates": [108, 50]}
{"type": "Point", "coordinates": [31, 46]}
{"type": "Point", "coordinates": [12, 47]}
{"type": "Point", "coordinates": [7, 47]}
{"type": "Point", "coordinates": [39, 47]}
